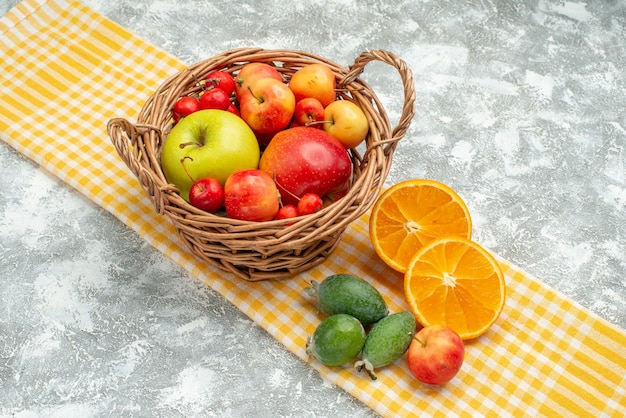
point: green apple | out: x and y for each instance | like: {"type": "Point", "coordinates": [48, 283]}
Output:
{"type": "Point", "coordinates": [208, 143]}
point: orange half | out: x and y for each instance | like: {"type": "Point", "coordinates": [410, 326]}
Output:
{"type": "Point", "coordinates": [455, 282]}
{"type": "Point", "coordinates": [413, 213]}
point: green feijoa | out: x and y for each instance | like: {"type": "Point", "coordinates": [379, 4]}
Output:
{"type": "Point", "coordinates": [337, 340]}
{"type": "Point", "coordinates": [386, 342]}
{"type": "Point", "coordinates": [349, 294]}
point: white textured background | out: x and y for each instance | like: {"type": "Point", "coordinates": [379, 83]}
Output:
{"type": "Point", "coordinates": [521, 108]}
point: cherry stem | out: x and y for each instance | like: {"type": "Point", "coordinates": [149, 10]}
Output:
{"type": "Point", "coordinates": [182, 162]}
{"type": "Point", "coordinates": [288, 192]}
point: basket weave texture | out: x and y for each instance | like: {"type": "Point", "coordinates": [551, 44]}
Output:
{"type": "Point", "coordinates": [275, 249]}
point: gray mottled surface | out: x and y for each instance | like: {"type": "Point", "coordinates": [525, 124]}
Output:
{"type": "Point", "coordinates": [521, 108]}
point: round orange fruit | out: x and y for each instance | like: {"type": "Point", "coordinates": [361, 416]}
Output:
{"type": "Point", "coordinates": [413, 213]}
{"type": "Point", "coordinates": [455, 282]}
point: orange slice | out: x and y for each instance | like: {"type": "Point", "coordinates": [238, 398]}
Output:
{"type": "Point", "coordinates": [413, 213]}
{"type": "Point", "coordinates": [455, 282]}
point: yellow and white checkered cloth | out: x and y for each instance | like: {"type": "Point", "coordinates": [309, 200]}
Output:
{"type": "Point", "coordinates": [65, 71]}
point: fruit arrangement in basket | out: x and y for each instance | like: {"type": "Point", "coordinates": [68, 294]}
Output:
{"type": "Point", "coordinates": [297, 127]}
{"type": "Point", "coordinates": [260, 148]}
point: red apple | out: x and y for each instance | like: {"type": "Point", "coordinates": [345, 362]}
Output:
{"type": "Point", "coordinates": [346, 122]}
{"type": "Point", "coordinates": [339, 191]}
{"type": "Point", "coordinates": [207, 194]}
{"type": "Point", "coordinates": [251, 72]}
{"type": "Point", "coordinates": [287, 212]}
{"type": "Point", "coordinates": [251, 195]}
{"type": "Point", "coordinates": [185, 106]}
{"type": "Point", "coordinates": [221, 80]}
{"type": "Point", "coordinates": [435, 354]}
{"type": "Point", "coordinates": [314, 80]}
{"type": "Point", "coordinates": [309, 110]}
{"type": "Point", "coordinates": [267, 106]}
{"type": "Point", "coordinates": [306, 160]}
{"type": "Point", "coordinates": [214, 99]}
{"type": "Point", "coordinates": [233, 109]}
{"type": "Point", "coordinates": [310, 203]}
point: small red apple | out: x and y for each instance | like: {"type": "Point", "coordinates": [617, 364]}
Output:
{"type": "Point", "coordinates": [287, 212]}
{"type": "Point", "coordinates": [267, 106]}
{"type": "Point", "coordinates": [306, 160]}
{"type": "Point", "coordinates": [308, 111]}
{"type": "Point", "coordinates": [185, 106]}
{"type": "Point", "coordinates": [251, 195]}
{"type": "Point", "coordinates": [214, 99]}
{"type": "Point", "coordinates": [233, 109]}
{"type": "Point", "coordinates": [314, 80]}
{"type": "Point", "coordinates": [221, 80]}
{"type": "Point", "coordinates": [435, 354]}
{"type": "Point", "coordinates": [207, 194]}
{"type": "Point", "coordinates": [310, 203]}
{"type": "Point", "coordinates": [251, 72]}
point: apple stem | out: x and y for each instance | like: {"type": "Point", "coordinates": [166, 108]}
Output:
{"type": "Point", "coordinates": [419, 341]}
{"type": "Point", "coordinates": [182, 162]}
{"type": "Point", "coordinates": [318, 122]}
{"type": "Point", "coordinates": [253, 95]}
{"type": "Point", "coordinates": [186, 144]}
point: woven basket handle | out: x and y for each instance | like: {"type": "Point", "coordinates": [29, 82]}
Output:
{"type": "Point", "coordinates": [124, 135]}
{"type": "Point", "coordinates": [130, 143]}
{"type": "Point", "coordinates": [406, 76]}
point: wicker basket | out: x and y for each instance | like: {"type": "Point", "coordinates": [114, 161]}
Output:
{"type": "Point", "coordinates": [264, 250]}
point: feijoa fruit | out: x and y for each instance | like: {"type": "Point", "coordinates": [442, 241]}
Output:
{"type": "Point", "coordinates": [386, 342]}
{"type": "Point", "coordinates": [349, 294]}
{"type": "Point", "coordinates": [337, 340]}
